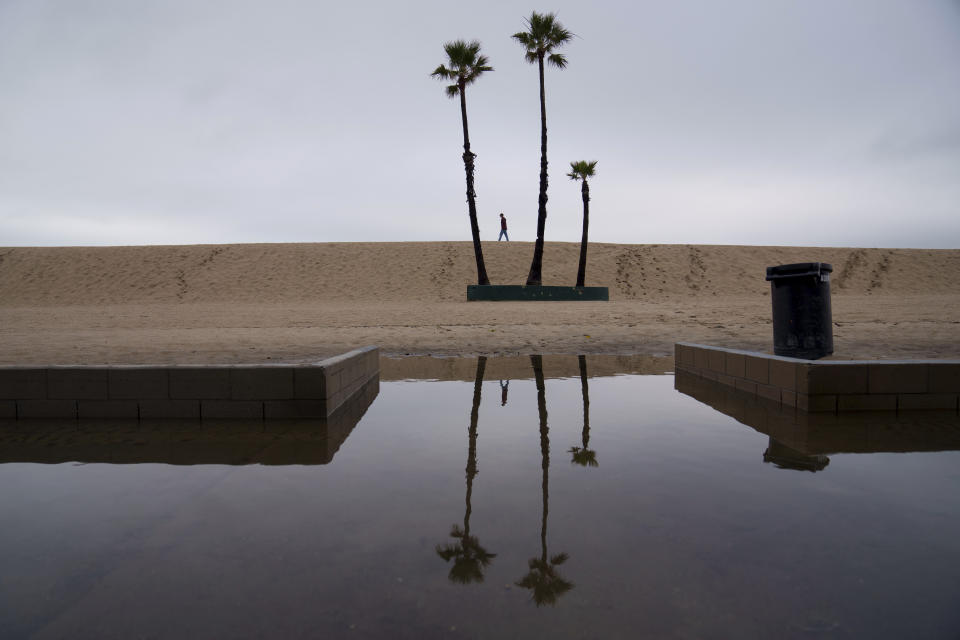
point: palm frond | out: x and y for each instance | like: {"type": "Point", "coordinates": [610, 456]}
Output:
{"type": "Point", "coordinates": [452, 90]}
{"type": "Point", "coordinates": [443, 73]}
{"type": "Point", "coordinates": [558, 60]}
{"type": "Point", "coordinates": [522, 37]}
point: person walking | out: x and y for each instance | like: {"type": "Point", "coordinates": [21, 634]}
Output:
{"type": "Point", "coordinates": [503, 229]}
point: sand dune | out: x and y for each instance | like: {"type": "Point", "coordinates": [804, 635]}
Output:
{"type": "Point", "coordinates": [257, 302]}
{"type": "Point", "coordinates": [435, 271]}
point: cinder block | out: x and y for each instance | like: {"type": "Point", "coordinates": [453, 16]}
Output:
{"type": "Point", "coordinates": [783, 374]}
{"type": "Point", "coordinates": [310, 383]}
{"type": "Point", "coordinates": [717, 361]}
{"type": "Point", "coordinates": [769, 392]}
{"type": "Point", "coordinates": [8, 409]}
{"type": "Point", "coordinates": [736, 365]}
{"type": "Point", "coordinates": [137, 383]}
{"type": "Point", "coordinates": [280, 409]}
{"type": "Point", "coordinates": [908, 401]}
{"type": "Point", "coordinates": [724, 379]}
{"type": "Point", "coordinates": [943, 377]}
{"type": "Point", "coordinates": [897, 377]}
{"type": "Point", "coordinates": [107, 409]}
{"type": "Point", "coordinates": [168, 409]}
{"type": "Point", "coordinates": [261, 383]}
{"type": "Point", "coordinates": [816, 404]}
{"type": "Point", "coordinates": [701, 358]}
{"type": "Point", "coordinates": [868, 402]}
{"type": "Point", "coordinates": [830, 378]}
{"type": "Point", "coordinates": [250, 409]}
{"type": "Point", "coordinates": [58, 408]}
{"type": "Point", "coordinates": [749, 386]}
{"type": "Point", "coordinates": [757, 368]}
{"type": "Point", "coordinates": [788, 398]}
{"type": "Point", "coordinates": [199, 383]}
{"type": "Point", "coordinates": [77, 383]}
{"type": "Point", "coordinates": [23, 384]}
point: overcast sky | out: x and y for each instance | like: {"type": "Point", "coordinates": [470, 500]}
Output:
{"type": "Point", "coordinates": [801, 122]}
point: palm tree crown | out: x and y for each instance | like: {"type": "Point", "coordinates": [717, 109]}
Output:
{"type": "Point", "coordinates": [581, 169]}
{"type": "Point", "coordinates": [544, 34]}
{"type": "Point", "coordinates": [466, 65]}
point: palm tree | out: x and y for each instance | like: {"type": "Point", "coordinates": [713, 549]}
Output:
{"type": "Point", "coordinates": [581, 170]}
{"type": "Point", "coordinates": [543, 579]}
{"type": "Point", "coordinates": [466, 65]}
{"type": "Point", "coordinates": [583, 456]}
{"type": "Point", "coordinates": [469, 558]}
{"type": "Point", "coordinates": [544, 34]}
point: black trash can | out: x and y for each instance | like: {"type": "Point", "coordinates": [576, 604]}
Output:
{"type": "Point", "coordinates": [802, 320]}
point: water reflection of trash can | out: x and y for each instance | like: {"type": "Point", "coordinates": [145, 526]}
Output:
{"type": "Point", "coordinates": [802, 320]}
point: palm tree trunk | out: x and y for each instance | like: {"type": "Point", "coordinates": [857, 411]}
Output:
{"type": "Point", "coordinates": [537, 362]}
{"type": "Point", "coordinates": [472, 440]}
{"type": "Point", "coordinates": [536, 267]}
{"type": "Point", "coordinates": [582, 269]}
{"type": "Point", "coordinates": [468, 157]}
{"type": "Point", "coordinates": [585, 392]}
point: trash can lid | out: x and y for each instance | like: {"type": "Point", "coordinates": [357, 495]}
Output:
{"type": "Point", "coordinates": [798, 269]}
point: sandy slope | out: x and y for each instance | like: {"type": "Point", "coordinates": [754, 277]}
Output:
{"type": "Point", "coordinates": [250, 303]}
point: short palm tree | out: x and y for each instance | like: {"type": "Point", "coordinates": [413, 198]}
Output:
{"type": "Point", "coordinates": [584, 456]}
{"type": "Point", "coordinates": [544, 34]}
{"type": "Point", "coordinates": [581, 170]}
{"type": "Point", "coordinates": [466, 65]}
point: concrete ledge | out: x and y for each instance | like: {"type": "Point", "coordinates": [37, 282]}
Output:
{"type": "Point", "coordinates": [519, 292]}
{"type": "Point", "coordinates": [186, 442]}
{"type": "Point", "coordinates": [827, 385]}
{"type": "Point", "coordinates": [231, 391]}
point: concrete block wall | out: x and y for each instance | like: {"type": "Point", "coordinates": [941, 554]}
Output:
{"type": "Point", "coordinates": [828, 385]}
{"type": "Point", "coordinates": [235, 442]}
{"type": "Point", "coordinates": [233, 391]}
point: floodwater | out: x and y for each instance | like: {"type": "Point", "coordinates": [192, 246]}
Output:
{"type": "Point", "coordinates": [534, 506]}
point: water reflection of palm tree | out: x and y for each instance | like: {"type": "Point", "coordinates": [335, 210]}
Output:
{"type": "Point", "coordinates": [469, 558]}
{"type": "Point", "coordinates": [583, 456]}
{"type": "Point", "coordinates": [543, 579]}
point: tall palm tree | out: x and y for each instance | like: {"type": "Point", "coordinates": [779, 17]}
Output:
{"type": "Point", "coordinates": [583, 456]}
{"type": "Point", "coordinates": [466, 65]}
{"type": "Point", "coordinates": [544, 34]}
{"type": "Point", "coordinates": [543, 579]}
{"type": "Point", "coordinates": [469, 558]}
{"type": "Point", "coordinates": [581, 170]}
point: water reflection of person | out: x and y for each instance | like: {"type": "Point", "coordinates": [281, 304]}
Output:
{"type": "Point", "coordinates": [504, 386]}
{"type": "Point", "coordinates": [583, 456]}
{"type": "Point", "coordinates": [469, 558]}
{"type": "Point", "coordinates": [543, 579]}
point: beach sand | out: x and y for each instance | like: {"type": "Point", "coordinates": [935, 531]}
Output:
{"type": "Point", "coordinates": [302, 302]}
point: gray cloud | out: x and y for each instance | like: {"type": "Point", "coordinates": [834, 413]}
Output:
{"type": "Point", "coordinates": [770, 122]}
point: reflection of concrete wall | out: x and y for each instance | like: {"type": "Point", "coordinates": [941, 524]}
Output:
{"type": "Point", "coordinates": [229, 391]}
{"type": "Point", "coordinates": [824, 433]}
{"type": "Point", "coordinates": [234, 442]}
{"type": "Point", "coordinates": [828, 385]}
